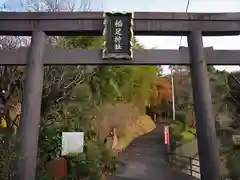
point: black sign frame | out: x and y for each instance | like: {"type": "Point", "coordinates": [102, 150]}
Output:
{"type": "Point", "coordinates": [118, 35]}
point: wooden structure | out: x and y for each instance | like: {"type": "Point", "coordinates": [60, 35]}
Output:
{"type": "Point", "coordinates": [194, 25]}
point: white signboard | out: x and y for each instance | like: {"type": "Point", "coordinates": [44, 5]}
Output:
{"type": "Point", "coordinates": [72, 143]}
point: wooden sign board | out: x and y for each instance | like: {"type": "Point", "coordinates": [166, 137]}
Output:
{"type": "Point", "coordinates": [166, 135]}
{"type": "Point", "coordinates": [118, 36]}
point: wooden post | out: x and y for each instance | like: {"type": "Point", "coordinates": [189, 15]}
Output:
{"type": "Point", "coordinates": [206, 133]}
{"type": "Point", "coordinates": [31, 107]}
{"type": "Point", "coordinates": [190, 166]}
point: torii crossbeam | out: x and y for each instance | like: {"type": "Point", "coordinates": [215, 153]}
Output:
{"type": "Point", "coordinates": [59, 56]}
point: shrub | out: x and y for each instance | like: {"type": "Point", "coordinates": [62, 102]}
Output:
{"type": "Point", "coordinates": [182, 117]}
{"type": "Point", "coordinates": [96, 162]}
{"type": "Point", "coordinates": [193, 131]}
{"type": "Point", "coordinates": [187, 136]}
{"type": "Point", "coordinates": [8, 156]}
{"type": "Point", "coordinates": [233, 164]}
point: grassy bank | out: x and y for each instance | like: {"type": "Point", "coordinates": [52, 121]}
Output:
{"type": "Point", "coordinates": [127, 120]}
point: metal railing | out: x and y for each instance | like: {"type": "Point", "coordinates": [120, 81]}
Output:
{"type": "Point", "coordinates": [189, 165]}
{"type": "Point", "coordinates": [186, 164]}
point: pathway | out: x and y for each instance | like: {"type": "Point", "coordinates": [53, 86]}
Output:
{"type": "Point", "coordinates": [144, 160]}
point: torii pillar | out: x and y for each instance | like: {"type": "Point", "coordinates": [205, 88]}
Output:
{"type": "Point", "coordinates": [208, 147]}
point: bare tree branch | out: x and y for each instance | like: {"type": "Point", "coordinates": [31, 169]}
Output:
{"type": "Point", "coordinates": [58, 80]}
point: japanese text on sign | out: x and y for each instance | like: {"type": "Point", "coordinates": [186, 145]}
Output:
{"type": "Point", "coordinates": [118, 34]}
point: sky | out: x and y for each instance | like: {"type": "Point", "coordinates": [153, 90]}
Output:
{"type": "Point", "coordinates": [168, 42]}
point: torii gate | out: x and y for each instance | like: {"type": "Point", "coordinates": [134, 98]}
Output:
{"type": "Point", "coordinates": [194, 25]}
